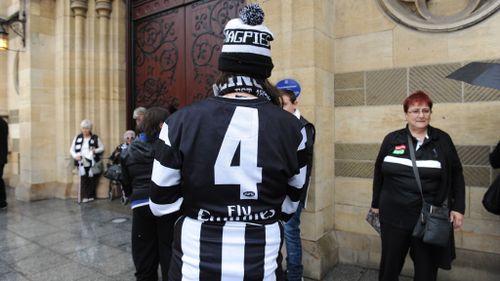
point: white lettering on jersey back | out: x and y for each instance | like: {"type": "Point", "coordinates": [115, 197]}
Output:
{"type": "Point", "coordinates": [243, 131]}
{"type": "Point", "coordinates": [239, 213]}
{"type": "Point", "coordinates": [407, 162]}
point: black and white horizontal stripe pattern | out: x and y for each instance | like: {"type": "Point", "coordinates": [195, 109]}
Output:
{"type": "Point", "coordinates": [165, 179]}
{"type": "Point", "coordinates": [297, 182]}
{"type": "Point", "coordinates": [232, 251]}
{"type": "Point", "coordinates": [407, 162]}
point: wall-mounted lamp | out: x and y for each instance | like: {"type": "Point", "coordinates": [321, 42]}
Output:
{"type": "Point", "coordinates": [16, 23]}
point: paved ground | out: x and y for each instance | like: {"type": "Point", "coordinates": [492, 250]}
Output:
{"type": "Point", "coordinates": [62, 240]}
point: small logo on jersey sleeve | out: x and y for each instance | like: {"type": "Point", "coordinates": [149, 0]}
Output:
{"type": "Point", "coordinates": [399, 149]}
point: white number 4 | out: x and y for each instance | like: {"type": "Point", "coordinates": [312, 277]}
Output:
{"type": "Point", "coordinates": [243, 131]}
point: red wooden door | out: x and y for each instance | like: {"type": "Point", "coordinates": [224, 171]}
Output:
{"type": "Point", "coordinates": [174, 49]}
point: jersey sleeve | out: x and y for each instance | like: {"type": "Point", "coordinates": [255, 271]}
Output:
{"type": "Point", "coordinates": [165, 190]}
{"type": "Point", "coordinates": [297, 182]}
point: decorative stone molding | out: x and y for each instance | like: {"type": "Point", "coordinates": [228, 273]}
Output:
{"type": "Point", "coordinates": [417, 15]}
{"type": "Point", "coordinates": [80, 7]}
{"type": "Point", "coordinates": [103, 8]}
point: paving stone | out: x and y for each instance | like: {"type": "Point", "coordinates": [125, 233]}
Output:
{"type": "Point", "coordinates": [97, 254]}
{"type": "Point", "coordinates": [11, 256]}
{"type": "Point", "coordinates": [66, 272]}
{"type": "Point", "coordinates": [345, 273]}
{"type": "Point", "coordinates": [4, 268]}
{"type": "Point", "coordinates": [42, 261]}
{"type": "Point", "coordinates": [72, 246]}
{"type": "Point", "coordinates": [13, 276]}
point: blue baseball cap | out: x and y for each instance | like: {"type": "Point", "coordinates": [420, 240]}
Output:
{"type": "Point", "coordinates": [289, 84]}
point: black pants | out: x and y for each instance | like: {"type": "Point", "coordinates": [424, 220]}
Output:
{"type": "Point", "coordinates": [88, 185]}
{"type": "Point", "coordinates": [151, 243]}
{"type": "Point", "coordinates": [395, 245]}
{"type": "Point", "coordinates": [3, 196]}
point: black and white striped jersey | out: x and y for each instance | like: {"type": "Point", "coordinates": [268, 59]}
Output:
{"type": "Point", "coordinates": [235, 167]}
{"type": "Point", "coordinates": [229, 160]}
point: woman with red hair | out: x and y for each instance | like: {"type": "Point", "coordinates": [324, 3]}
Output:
{"type": "Point", "coordinates": [397, 197]}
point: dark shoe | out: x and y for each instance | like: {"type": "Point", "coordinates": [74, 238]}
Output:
{"type": "Point", "coordinates": [3, 206]}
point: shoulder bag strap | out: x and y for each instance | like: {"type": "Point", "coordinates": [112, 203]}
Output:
{"type": "Point", "coordinates": [414, 164]}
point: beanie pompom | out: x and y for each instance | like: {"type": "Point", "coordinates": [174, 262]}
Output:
{"type": "Point", "coordinates": [252, 14]}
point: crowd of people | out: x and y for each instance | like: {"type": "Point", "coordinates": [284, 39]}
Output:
{"type": "Point", "coordinates": [210, 184]}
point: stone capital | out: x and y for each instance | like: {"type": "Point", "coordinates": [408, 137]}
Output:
{"type": "Point", "coordinates": [103, 8]}
{"type": "Point", "coordinates": [80, 7]}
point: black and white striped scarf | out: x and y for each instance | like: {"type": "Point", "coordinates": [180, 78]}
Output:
{"type": "Point", "coordinates": [242, 84]}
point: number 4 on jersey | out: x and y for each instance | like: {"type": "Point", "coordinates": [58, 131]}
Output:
{"type": "Point", "coordinates": [243, 131]}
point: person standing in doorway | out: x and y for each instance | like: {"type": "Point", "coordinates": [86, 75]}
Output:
{"type": "Point", "coordinates": [294, 266]}
{"type": "Point", "coordinates": [4, 133]}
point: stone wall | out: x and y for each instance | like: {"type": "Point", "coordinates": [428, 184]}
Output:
{"type": "Point", "coordinates": [71, 68]}
{"type": "Point", "coordinates": [376, 66]}
{"type": "Point", "coordinates": [303, 50]}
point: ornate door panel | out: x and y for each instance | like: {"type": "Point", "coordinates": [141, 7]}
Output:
{"type": "Point", "coordinates": [205, 23]}
{"type": "Point", "coordinates": [158, 51]}
{"type": "Point", "coordinates": [174, 49]}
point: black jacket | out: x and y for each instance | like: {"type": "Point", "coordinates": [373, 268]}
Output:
{"type": "Point", "coordinates": [450, 183]}
{"type": "Point", "coordinates": [137, 164]}
{"type": "Point", "coordinates": [452, 180]}
{"type": "Point", "coordinates": [4, 132]}
{"type": "Point", "coordinates": [495, 157]}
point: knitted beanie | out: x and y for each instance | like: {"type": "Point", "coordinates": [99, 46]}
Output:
{"type": "Point", "coordinates": [247, 44]}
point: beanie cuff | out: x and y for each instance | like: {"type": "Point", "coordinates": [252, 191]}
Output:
{"type": "Point", "coordinates": [245, 63]}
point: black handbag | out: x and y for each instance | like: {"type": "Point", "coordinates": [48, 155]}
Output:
{"type": "Point", "coordinates": [433, 226]}
{"type": "Point", "coordinates": [491, 199]}
{"type": "Point", "coordinates": [114, 172]}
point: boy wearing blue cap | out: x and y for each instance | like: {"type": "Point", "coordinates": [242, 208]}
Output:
{"type": "Point", "coordinates": [289, 92]}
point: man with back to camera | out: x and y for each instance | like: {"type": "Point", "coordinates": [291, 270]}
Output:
{"type": "Point", "coordinates": [289, 102]}
{"type": "Point", "coordinates": [234, 164]}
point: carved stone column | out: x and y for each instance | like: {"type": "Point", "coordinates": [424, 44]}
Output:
{"type": "Point", "coordinates": [79, 8]}
{"type": "Point", "coordinates": [103, 9]}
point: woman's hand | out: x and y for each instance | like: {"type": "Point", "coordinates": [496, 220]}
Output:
{"type": "Point", "coordinates": [78, 158]}
{"type": "Point", "coordinates": [375, 210]}
{"type": "Point", "coordinates": [457, 219]}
